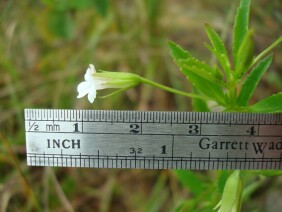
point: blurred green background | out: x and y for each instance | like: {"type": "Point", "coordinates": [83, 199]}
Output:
{"type": "Point", "coordinates": [45, 48]}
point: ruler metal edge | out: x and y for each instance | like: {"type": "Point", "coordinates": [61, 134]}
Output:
{"type": "Point", "coordinates": [153, 139]}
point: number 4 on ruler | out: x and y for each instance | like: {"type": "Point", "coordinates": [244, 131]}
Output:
{"type": "Point", "coordinates": [252, 130]}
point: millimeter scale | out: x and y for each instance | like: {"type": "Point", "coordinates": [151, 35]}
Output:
{"type": "Point", "coordinates": [153, 139]}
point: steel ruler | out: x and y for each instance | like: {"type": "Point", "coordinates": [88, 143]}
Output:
{"type": "Point", "coordinates": [153, 139]}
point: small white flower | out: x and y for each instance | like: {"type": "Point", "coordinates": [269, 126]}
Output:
{"type": "Point", "coordinates": [90, 85]}
{"type": "Point", "coordinates": [97, 81]}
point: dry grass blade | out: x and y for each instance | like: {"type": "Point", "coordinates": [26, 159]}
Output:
{"type": "Point", "coordinates": [61, 195]}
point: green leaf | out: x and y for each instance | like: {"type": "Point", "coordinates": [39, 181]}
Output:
{"type": "Point", "coordinates": [178, 52]}
{"type": "Point", "coordinates": [252, 81]}
{"type": "Point", "coordinates": [200, 79]}
{"type": "Point", "coordinates": [216, 41]}
{"type": "Point", "coordinates": [271, 104]}
{"type": "Point", "coordinates": [223, 59]}
{"type": "Point", "coordinates": [232, 193]}
{"type": "Point", "coordinates": [199, 105]}
{"type": "Point", "coordinates": [241, 26]}
{"type": "Point", "coordinates": [200, 68]}
{"type": "Point", "coordinates": [184, 59]}
{"type": "Point", "coordinates": [190, 181]}
{"type": "Point", "coordinates": [222, 180]}
{"type": "Point", "coordinates": [245, 55]}
{"type": "Point", "coordinates": [218, 47]}
{"type": "Point", "coordinates": [207, 87]}
{"type": "Point", "coordinates": [193, 62]}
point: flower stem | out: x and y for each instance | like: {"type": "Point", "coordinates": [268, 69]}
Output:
{"type": "Point", "coordinates": [172, 90]}
{"type": "Point", "coordinates": [261, 55]}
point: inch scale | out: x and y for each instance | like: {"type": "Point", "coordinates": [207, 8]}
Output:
{"type": "Point", "coordinates": [153, 140]}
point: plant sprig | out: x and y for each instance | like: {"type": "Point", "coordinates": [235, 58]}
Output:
{"type": "Point", "coordinates": [231, 86]}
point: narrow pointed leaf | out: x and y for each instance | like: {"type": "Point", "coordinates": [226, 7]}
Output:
{"type": "Point", "coordinates": [252, 81]}
{"type": "Point", "coordinates": [177, 52]}
{"type": "Point", "coordinates": [232, 193]}
{"type": "Point", "coordinates": [207, 87]}
{"type": "Point", "coordinates": [210, 89]}
{"type": "Point", "coordinates": [221, 181]}
{"type": "Point", "coordinates": [201, 69]}
{"type": "Point", "coordinates": [271, 104]}
{"type": "Point", "coordinates": [241, 26]}
{"type": "Point", "coordinates": [201, 65]}
{"type": "Point", "coordinates": [216, 41]}
{"type": "Point", "coordinates": [223, 59]}
{"type": "Point", "coordinates": [218, 48]}
{"type": "Point", "coordinates": [245, 55]}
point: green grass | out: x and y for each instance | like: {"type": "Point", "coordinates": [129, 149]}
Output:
{"type": "Point", "coordinates": [44, 52]}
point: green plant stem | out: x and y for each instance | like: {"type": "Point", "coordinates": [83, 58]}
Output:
{"type": "Point", "coordinates": [172, 90]}
{"type": "Point", "coordinates": [232, 97]}
{"type": "Point", "coordinates": [267, 50]}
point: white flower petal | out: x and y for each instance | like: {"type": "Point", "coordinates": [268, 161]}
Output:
{"type": "Point", "coordinates": [88, 76]}
{"type": "Point", "coordinates": [92, 95]}
{"type": "Point", "coordinates": [92, 67]}
{"type": "Point", "coordinates": [89, 73]}
{"type": "Point", "coordinates": [83, 88]}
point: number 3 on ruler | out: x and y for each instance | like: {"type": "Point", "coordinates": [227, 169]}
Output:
{"type": "Point", "coordinates": [193, 129]}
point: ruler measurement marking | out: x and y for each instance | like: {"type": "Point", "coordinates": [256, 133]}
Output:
{"type": "Point", "coordinates": [209, 161]}
{"type": "Point", "coordinates": [98, 159]}
{"type": "Point", "coordinates": [62, 157]}
{"type": "Point", "coordinates": [57, 161]}
{"type": "Point", "coordinates": [263, 158]}
{"type": "Point", "coordinates": [80, 160]}
{"type": "Point", "coordinates": [168, 123]}
{"type": "Point", "coordinates": [89, 162]}
{"type": "Point", "coordinates": [146, 122]}
{"type": "Point", "coordinates": [82, 126]}
{"type": "Point", "coordinates": [226, 162]}
{"type": "Point", "coordinates": [197, 160]}
{"type": "Point", "coordinates": [172, 146]}
{"type": "Point", "coordinates": [141, 122]}
{"type": "Point", "coordinates": [116, 159]}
